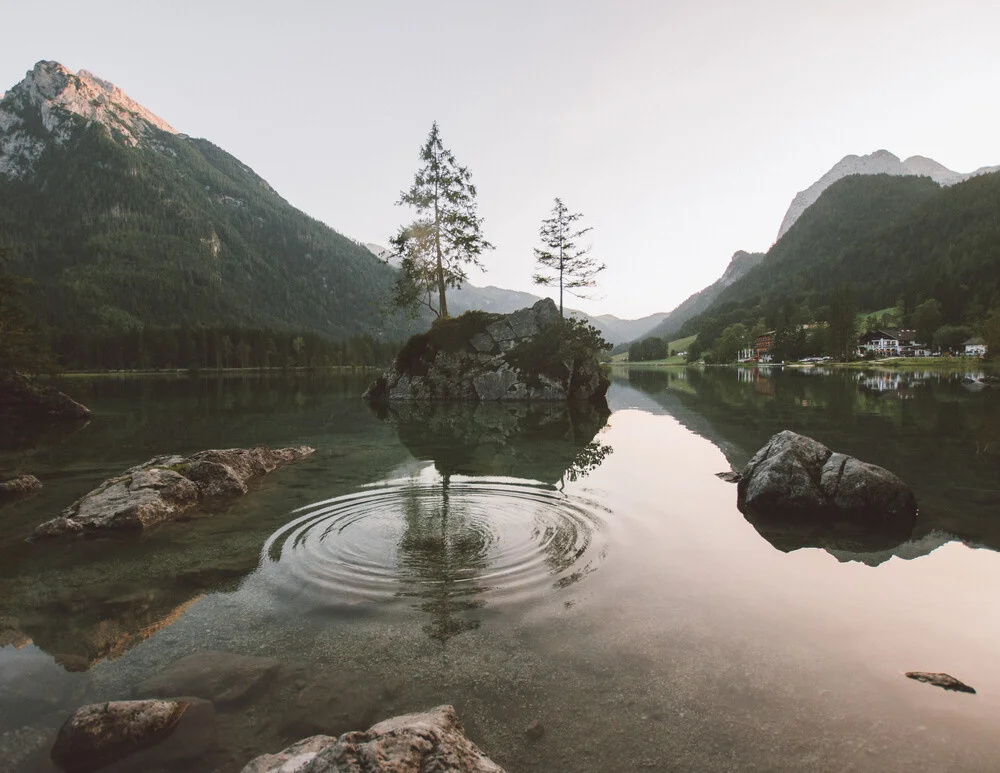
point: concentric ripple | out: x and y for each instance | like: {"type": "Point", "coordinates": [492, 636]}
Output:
{"type": "Point", "coordinates": [448, 546]}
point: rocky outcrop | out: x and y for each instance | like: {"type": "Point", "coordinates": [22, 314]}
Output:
{"type": "Point", "coordinates": [101, 733]}
{"type": "Point", "coordinates": [22, 400]}
{"type": "Point", "coordinates": [527, 355]}
{"type": "Point", "coordinates": [165, 487]}
{"type": "Point", "coordinates": [412, 743]}
{"type": "Point", "coordinates": [18, 488]}
{"type": "Point", "coordinates": [794, 478]}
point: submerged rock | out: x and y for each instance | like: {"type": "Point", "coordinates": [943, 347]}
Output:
{"type": "Point", "coordinates": [221, 677]}
{"type": "Point", "coordinates": [530, 354]}
{"type": "Point", "coordinates": [101, 733]}
{"type": "Point", "coordinates": [18, 488]}
{"type": "Point", "coordinates": [164, 487]}
{"type": "Point", "coordinates": [795, 477]}
{"type": "Point", "coordinates": [413, 743]}
{"type": "Point", "coordinates": [946, 681]}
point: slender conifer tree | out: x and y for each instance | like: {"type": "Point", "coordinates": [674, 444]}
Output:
{"type": "Point", "coordinates": [434, 250]}
{"type": "Point", "coordinates": [568, 264]}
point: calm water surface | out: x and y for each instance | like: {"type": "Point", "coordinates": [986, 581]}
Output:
{"type": "Point", "coordinates": [585, 570]}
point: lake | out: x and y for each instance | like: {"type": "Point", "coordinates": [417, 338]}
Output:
{"type": "Point", "coordinates": [582, 569]}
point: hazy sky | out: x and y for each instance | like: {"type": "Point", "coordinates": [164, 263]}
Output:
{"type": "Point", "coordinates": [681, 130]}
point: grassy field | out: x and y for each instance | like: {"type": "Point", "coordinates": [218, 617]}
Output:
{"type": "Point", "coordinates": [679, 345]}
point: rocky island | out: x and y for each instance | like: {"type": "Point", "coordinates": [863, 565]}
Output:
{"type": "Point", "coordinates": [531, 354]}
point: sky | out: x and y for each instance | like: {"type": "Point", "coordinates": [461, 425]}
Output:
{"type": "Point", "coordinates": [681, 130]}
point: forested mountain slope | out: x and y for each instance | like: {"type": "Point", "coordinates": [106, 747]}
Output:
{"type": "Point", "coordinates": [123, 223]}
{"type": "Point", "coordinates": [887, 238]}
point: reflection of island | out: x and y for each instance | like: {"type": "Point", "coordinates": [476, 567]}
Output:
{"type": "Point", "coordinates": [453, 533]}
{"type": "Point", "coordinates": [536, 441]}
{"type": "Point", "coordinates": [441, 556]}
{"type": "Point", "coordinates": [934, 440]}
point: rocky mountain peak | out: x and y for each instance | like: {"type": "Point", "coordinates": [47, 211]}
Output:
{"type": "Point", "coordinates": [51, 100]}
{"type": "Point", "coordinates": [879, 162]}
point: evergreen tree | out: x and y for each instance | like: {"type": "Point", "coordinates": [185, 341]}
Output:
{"type": "Point", "coordinates": [843, 335]}
{"type": "Point", "coordinates": [926, 319]}
{"type": "Point", "coordinates": [571, 265]}
{"type": "Point", "coordinates": [445, 237]}
{"type": "Point", "coordinates": [21, 344]}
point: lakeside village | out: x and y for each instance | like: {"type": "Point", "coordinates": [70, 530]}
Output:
{"type": "Point", "coordinates": [880, 343]}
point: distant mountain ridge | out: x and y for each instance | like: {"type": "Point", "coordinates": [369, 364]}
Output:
{"type": "Point", "coordinates": [125, 223]}
{"type": "Point", "coordinates": [502, 301]}
{"type": "Point", "coordinates": [879, 162]}
{"type": "Point", "coordinates": [739, 265]}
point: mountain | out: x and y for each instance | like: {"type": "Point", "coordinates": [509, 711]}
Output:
{"type": "Point", "coordinates": [502, 301]}
{"type": "Point", "coordinates": [887, 237]}
{"type": "Point", "coordinates": [879, 162]}
{"type": "Point", "coordinates": [126, 224]}
{"type": "Point", "coordinates": [672, 322]}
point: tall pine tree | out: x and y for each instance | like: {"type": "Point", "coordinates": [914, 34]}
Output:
{"type": "Point", "coordinates": [570, 264]}
{"type": "Point", "coordinates": [446, 236]}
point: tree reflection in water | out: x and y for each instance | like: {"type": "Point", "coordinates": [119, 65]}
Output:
{"type": "Point", "coordinates": [449, 549]}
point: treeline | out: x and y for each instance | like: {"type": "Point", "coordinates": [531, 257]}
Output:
{"type": "Point", "coordinates": [215, 347]}
{"type": "Point", "coordinates": [652, 348]}
{"type": "Point", "coordinates": [118, 238]}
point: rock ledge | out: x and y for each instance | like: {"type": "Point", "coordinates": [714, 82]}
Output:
{"type": "Point", "coordinates": [413, 743]}
{"type": "Point", "coordinates": [164, 487]}
{"type": "Point", "coordinates": [530, 354]}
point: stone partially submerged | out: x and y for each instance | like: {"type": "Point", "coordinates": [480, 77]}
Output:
{"type": "Point", "coordinates": [101, 733]}
{"type": "Point", "coordinates": [531, 354]}
{"type": "Point", "coordinates": [797, 483]}
{"type": "Point", "coordinates": [18, 488]}
{"type": "Point", "coordinates": [413, 743]}
{"type": "Point", "coordinates": [165, 487]}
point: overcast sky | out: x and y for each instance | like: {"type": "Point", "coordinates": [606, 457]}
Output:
{"type": "Point", "coordinates": [681, 130]}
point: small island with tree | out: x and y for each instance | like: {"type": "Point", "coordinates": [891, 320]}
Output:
{"type": "Point", "coordinates": [533, 354]}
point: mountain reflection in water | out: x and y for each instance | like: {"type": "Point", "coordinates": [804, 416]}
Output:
{"type": "Point", "coordinates": [923, 426]}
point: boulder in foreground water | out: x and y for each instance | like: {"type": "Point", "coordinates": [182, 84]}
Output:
{"type": "Point", "coordinates": [413, 743]}
{"type": "Point", "coordinates": [166, 486]}
{"type": "Point", "coordinates": [101, 733]}
{"type": "Point", "coordinates": [794, 477]}
{"type": "Point", "coordinates": [18, 488]}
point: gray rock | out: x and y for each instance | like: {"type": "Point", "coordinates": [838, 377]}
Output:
{"type": "Point", "coordinates": [165, 487]}
{"type": "Point", "coordinates": [524, 323]}
{"type": "Point", "coordinates": [946, 681]}
{"type": "Point", "coordinates": [501, 331]}
{"type": "Point", "coordinates": [98, 734]}
{"type": "Point", "coordinates": [795, 477]}
{"type": "Point", "coordinates": [221, 677]}
{"type": "Point", "coordinates": [412, 743]}
{"type": "Point", "coordinates": [19, 487]}
{"type": "Point", "coordinates": [482, 342]}
{"type": "Point", "coordinates": [494, 385]}
{"type": "Point", "coordinates": [484, 364]}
